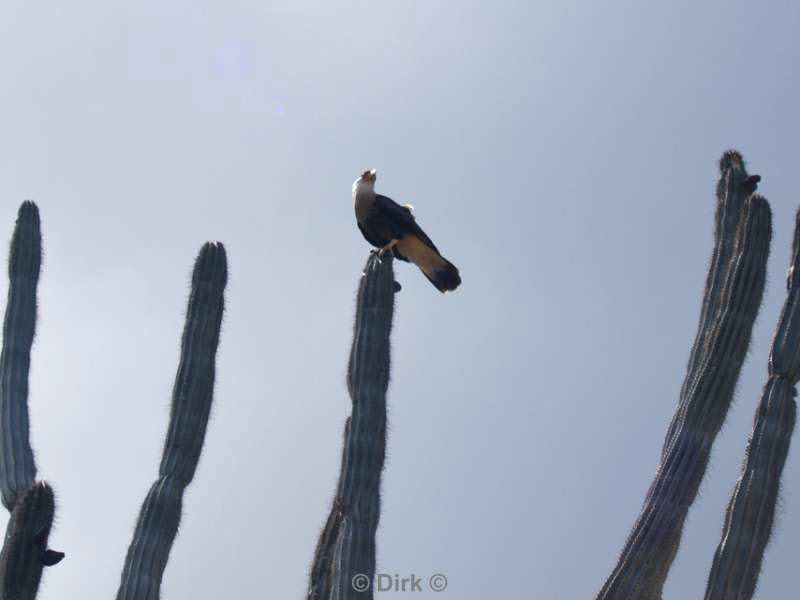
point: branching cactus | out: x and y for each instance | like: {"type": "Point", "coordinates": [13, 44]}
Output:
{"type": "Point", "coordinates": [191, 404]}
{"type": "Point", "coordinates": [732, 297]}
{"type": "Point", "coordinates": [750, 514]}
{"type": "Point", "coordinates": [344, 561]}
{"type": "Point", "coordinates": [734, 288]}
{"type": "Point", "coordinates": [32, 505]}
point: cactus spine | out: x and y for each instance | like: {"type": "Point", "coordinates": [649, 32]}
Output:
{"type": "Point", "coordinates": [346, 546]}
{"type": "Point", "coordinates": [751, 511]}
{"type": "Point", "coordinates": [32, 505]}
{"type": "Point", "coordinates": [191, 403]}
{"type": "Point", "coordinates": [733, 293]}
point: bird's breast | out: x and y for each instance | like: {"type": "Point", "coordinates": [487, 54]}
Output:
{"type": "Point", "coordinates": [363, 204]}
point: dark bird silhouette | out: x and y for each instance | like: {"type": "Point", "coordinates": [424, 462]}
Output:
{"type": "Point", "coordinates": [751, 184]}
{"type": "Point", "coordinates": [391, 227]}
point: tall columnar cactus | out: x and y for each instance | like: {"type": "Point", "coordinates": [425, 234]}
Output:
{"type": "Point", "coordinates": [344, 561]}
{"type": "Point", "coordinates": [191, 403]}
{"type": "Point", "coordinates": [750, 514]}
{"type": "Point", "coordinates": [18, 470]}
{"type": "Point", "coordinates": [732, 191]}
{"type": "Point", "coordinates": [32, 505]}
{"type": "Point", "coordinates": [733, 293]}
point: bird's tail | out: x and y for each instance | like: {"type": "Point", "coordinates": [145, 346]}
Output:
{"type": "Point", "coordinates": [442, 273]}
{"type": "Point", "coordinates": [445, 276]}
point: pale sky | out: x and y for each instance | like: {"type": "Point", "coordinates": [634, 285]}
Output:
{"type": "Point", "coordinates": [563, 155]}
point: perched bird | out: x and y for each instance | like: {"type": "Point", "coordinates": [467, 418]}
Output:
{"type": "Point", "coordinates": [751, 184]}
{"type": "Point", "coordinates": [391, 227]}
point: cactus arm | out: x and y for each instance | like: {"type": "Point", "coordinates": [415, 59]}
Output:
{"type": "Point", "coordinates": [32, 505]}
{"type": "Point", "coordinates": [730, 199]}
{"type": "Point", "coordinates": [17, 467]}
{"type": "Point", "coordinates": [652, 544]}
{"type": "Point", "coordinates": [320, 576]}
{"type": "Point", "coordinates": [160, 514]}
{"type": "Point", "coordinates": [751, 511]}
{"type": "Point", "coordinates": [347, 544]}
{"type": "Point", "coordinates": [25, 552]}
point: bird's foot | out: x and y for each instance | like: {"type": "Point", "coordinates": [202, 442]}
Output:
{"type": "Point", "coordinates": [386, 248]}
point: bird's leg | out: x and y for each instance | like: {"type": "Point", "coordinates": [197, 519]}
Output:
{"type": "Point", "coordinates": [387, 247]}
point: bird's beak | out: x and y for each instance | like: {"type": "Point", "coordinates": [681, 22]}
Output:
{"type": "Point", "coordinates": [370, 176]}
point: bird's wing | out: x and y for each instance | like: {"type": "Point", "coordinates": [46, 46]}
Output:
{"type": "Point", "coordinates": [368, 236]}
{"type": "Point", "coordinates": [401, 219]}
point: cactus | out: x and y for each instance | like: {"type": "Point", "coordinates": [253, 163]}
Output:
{"type": "Point", "coordinates": [18, 470]}
{"type": "Point", "coordinates": [25, 551]}
{"type": "Point", "coordinates": [346, 546]}
{"type": "Point", "coordinates": [732, 296]}
{"type": "Point", "coordinates": [191, 403]}
{"type": "Point", "coordinates": [31, 504]}
{"type": "Point", "coordinates": [730, 201]}
{"type": "Point", "coordinates": [734, 288]}
{"type": "Point", "coordinates": [750, 514]}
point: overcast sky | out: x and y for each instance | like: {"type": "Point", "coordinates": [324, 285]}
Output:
{"type": "Point", "coordinates": [563, 155]}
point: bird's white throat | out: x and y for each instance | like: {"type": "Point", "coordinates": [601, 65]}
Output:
{"type": "Point", "coordinates": [363, 187]}
{"type": "Point", "coordinates": [363, 197]}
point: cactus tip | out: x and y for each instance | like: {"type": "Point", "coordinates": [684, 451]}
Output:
{"type": "Point", "coordinates": [731, 159]}
{"type": "Point", "coordinates": [760, 203]}
{"type": "Point", "coordinates": [25, 255]}
{"type": "Point", "coordinates": [28, 208]}
{"type": "Point", "coordinates": [211, 265]}
{"type": "Point", "coordinates": [28, 217]}
{"type": "Point", "coordinates": [375, 262]}
{"type": "Point", "coordinates": [42, 496]}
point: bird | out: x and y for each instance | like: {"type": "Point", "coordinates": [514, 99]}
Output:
{"type": "Point", "coordinates": [391, 227]}
{"type": "Point", "coordinates": [751, 184]}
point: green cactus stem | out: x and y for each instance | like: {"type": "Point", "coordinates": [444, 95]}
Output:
{"type": "Point", "coordinates": [31, 505]}
{"type": "Point", "coordinates": [17, 467]}
{"type": "Point", "coordinates": [731, 192]}
{"type": "Point", "coordinates": [730, 305]}
{"type": "Point", "coordinates": [192, 394]}
{"type": "Point", "coordinates": [346, 546]}
{"type": "Point", "coordinates": [751, 511]}
{"type": "Point", "coordinates": [25, 552]}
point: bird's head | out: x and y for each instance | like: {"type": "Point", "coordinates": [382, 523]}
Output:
{"type": "Point", "coordinates": [365, 183]}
